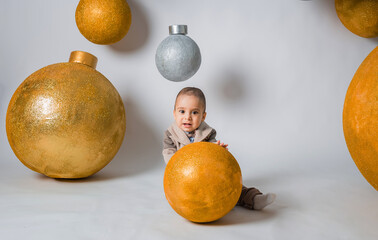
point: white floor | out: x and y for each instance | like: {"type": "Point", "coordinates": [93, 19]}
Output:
{"type": "Point", "coordinates": [126, 201]}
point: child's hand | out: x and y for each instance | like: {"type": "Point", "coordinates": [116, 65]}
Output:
{"type": "Point", "coordinates": [222, 144]}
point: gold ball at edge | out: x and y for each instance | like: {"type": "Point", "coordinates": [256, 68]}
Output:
{"type": "Point", "coordinates": [359, 16]}
{"type": "Point", "coordinates": [103, 21]}
{"type": "Point", "coordinates": [202, 182]}
{"type": "Point", "coordinates": [66, 120]}
{"type": "Point", "coordinates": [360, 118]}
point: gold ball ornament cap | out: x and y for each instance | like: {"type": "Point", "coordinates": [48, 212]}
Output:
{"type": "Point", "coordinates": [66, 120]}
{"type": "Point", "coordinates": [359, 16]}
{"type": "Point", "coordinates": [202, 182]}
{"type": "Point", "coordinates": [360, 118]}
{"type": "Point", "coordinates": [83, 58]}
{"type": "Point", "coordinates": [103, 21]}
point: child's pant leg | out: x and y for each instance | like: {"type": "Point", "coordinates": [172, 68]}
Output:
{"type": "Point", "coordinates": [247, 197]}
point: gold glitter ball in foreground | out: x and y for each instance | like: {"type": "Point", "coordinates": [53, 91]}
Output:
{"type": "Point", "coordinates": [103, 21]}
{"type": "Point", "coordinates": [359, 16]}
{"type": "Point", "coordinates": [66, 120]}
{"type": "Point", "coordinates": [360, 118]}
{"type": "Point", "coordinates": [202, 182]}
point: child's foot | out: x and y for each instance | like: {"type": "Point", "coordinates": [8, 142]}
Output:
{"type": "Point", "coordinates": [263, 200]}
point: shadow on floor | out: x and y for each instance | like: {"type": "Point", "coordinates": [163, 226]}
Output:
{"type": "Point", "coordinates": [240, 215]}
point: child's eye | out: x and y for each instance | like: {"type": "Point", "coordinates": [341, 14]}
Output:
{"type": "Point", "coordinates": [195, 112]}
{"type": "Point", "coordinates": [181, 111]}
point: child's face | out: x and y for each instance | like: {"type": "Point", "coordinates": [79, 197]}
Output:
{"type": "Point", "coordinates": [189, 112]}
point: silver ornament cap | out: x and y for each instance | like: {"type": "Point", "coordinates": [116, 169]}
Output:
{"type": "Point", "coordinates": [178, 29]}
{"type": "Point", "coordinates": [178, 57]}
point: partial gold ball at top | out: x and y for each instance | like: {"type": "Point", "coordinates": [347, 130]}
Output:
{"type": "Point", "coordinates": [103, 21]}
{"type": "Point", "coordinates": [359, 16]}
{"type": "Point", "coordinates": [66, 120]}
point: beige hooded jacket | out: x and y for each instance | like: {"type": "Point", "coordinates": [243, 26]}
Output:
{"type": "Point", "coordinates": [175, 138]}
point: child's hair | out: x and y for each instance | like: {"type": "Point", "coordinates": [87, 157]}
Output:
{"type": "Point", "coordinates": [193, 91]}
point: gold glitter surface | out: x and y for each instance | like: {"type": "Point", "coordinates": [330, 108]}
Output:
{"type": "Point", "coordinates": [360, 118]}
{"type": "Point", "coordinates": [103, 21]}
{"type": "Point", "coordinates": [359, 16]}
{"type": "Point", "coordinates": [202, 182]}
{"type": "Point", "coordinates": [66, 120]}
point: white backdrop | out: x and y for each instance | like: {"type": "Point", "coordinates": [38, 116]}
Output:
{"type": "Point", "coordinates": [275, 74]}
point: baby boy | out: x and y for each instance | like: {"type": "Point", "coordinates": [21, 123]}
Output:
{"type": "Point", "coordinates": [190, 126]}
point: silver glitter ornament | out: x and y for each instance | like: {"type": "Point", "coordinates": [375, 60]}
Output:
{"type": "Point", "coordinates": [178, 57]}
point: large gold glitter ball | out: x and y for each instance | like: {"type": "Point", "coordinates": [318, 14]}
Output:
{"type": "Point", "coordinates": [66, 120]}
{"type": "Point", "coordinates": [360, 118]}
{"type": "Point", "coordinates": [359, 16]}
{"type": "Point", "coordinates": [103, 21]}
{"type": "Point", "coordinates": [202, 182]}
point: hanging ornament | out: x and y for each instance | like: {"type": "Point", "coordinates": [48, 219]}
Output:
{"type": "Point", "coordinates": [202, 182]}
{"type": "Point", "coordinates": [66, 120]}
{"type": "Point", "coordinates": [178, 57]}
{"type": "Point", "coordinates": [359, 16]}
{"type": "Point", "coordinates": [360, 118]}
{"type": "Point", "coordinates": [103, 21]}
